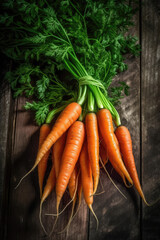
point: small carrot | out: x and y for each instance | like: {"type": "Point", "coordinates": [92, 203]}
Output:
{"type": "Point", "coordinates": [47, 190]}
{"type": "Point", "coordinates": [67, 117]}
{"type": "Point", "coordinates": [86, 178]}
{"type": "Point", "coordinates": [102, 149]}
{"type": "Point", "coordinates": [42, 166]}
{"type": "Point", "coordinates": [125, 142]}
{"type": "Point", "coordinates": [72, 186]}
{"type": "Point", "coordinates": [93, 146]}
{"type": "Point", "coordinates": [79, 193]}
{"type": "Point", "coordinates": [103, 154]}
{"type": "Point", "coordinates": [74, 141]}
{"type": "Point", "coordinates": [57, 152]}
{"type": "Point", "coordinates": [107, 131]}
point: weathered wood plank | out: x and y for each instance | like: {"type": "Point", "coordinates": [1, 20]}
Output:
{"type": "Point", "coordinates": [150, 89]}
{"type": "Point", "coordinates": [120, 218]}
{"type": "Point", "coordinates": [6, 110]}
{"type": "Point", "coordinates": [23, 208]}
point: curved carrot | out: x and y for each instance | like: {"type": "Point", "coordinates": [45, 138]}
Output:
{"type": "Point", "coordinates": [107, 131]}
{"type": "Point", "coordinates": [125, 142]}
{"type": "Point", "coordinates": [42, 166]}
{"type": "Point", "coordinates": [67, 117]}
{"type": "Point", "coordinates": [86, 178]}
{"type": "Point", "coordinates": [93, 146]}
{"type": "Point", "coordinates": [74, 141]}
{"type": "Point", "coordinates": [57, 152]}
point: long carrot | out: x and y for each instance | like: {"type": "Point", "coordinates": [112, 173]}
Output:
{"type": "Point", "coordinates": [74, 141]}
{"type": "Point", "coordinates": [93, 146]}
{"type": "Point", "coordinates": [107, 131]}
{"type": "Point", "coordinates": [57, 152]}
{"type": "Point", "coordinates": [67, 117]}
{"type": "Point", "coordinates": [86, 178]}
{"type": "Point", "coordinates": [42, 166]}
{"type": "Point", "coordinates": [125, 142]}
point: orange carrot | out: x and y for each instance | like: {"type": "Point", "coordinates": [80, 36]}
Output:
{"type": "Point", "coordinates": [47, 190]}
{"type": "Point", "coordinates": [74, 141]}
{"type": "Point", "coordinates": [58, 148]}
{"type": "Point", "coordinates": [67, 117]}
{"type": "Point", "coordinates": [107, 131]}
{"type": "Point", "coordinates": [42, 166]}
{"type": "Point", "coordinates": [93, 146]}
{"type": "Point", "coordinates": [125, 142]}
{"type": "Point", "coordinates": [103, 154]}
{"type": "Point", "coordinates": [86, 178]}
{"type": "Point", "coordinates": [72, 186]}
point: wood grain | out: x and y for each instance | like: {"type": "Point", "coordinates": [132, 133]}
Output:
{"type": "Point", "coordinates": [150, 127]}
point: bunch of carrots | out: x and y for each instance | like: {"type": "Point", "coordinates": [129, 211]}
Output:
{"type": "Point", "coordinates": [81, 140]}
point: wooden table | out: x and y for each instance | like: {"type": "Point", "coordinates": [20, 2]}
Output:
{"type": "Point", "coordinates": [119, 218]}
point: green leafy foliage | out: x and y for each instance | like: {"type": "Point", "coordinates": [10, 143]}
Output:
{"type": "Point", "coordinates": [45, 38]}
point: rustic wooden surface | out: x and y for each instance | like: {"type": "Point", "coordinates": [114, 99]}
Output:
{"type": "Point", "coordinates": [119, 218]}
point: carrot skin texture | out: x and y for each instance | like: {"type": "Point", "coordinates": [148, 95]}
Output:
{"type": "Point", "coordinates": [42, 166]}
{"type": "Point", "coordinates": [93, 146]}
{"type": "Point", "coordinates": [67, 117]}
{"type": "Point", "coordinates": [74, 141]}
{"type": "Point", "coordinates": [57, 152]}
{"type": "Point", "coordinates": [125, 142]}
{"type": "Point", "coordinates": [107, 131]}
{"type": "Point", "coordinates": [86, 175]}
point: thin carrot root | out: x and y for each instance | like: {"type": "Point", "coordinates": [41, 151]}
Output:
{"type": "Point", "coordinates": [70, 218]}
{"type": "Point", "coordinates": [25, 176]}
{"type": "Point", "coordinates": [112, 180]}
{"type": "Point", "coordinates": [59, 213]}
{"type": "Point", "coordinates": [55, 214]}
{"type": "Point", "coordinates": [90, 206]}
{"type": "Point", "coordinates": [40, 218]}
{"type": "Point", "coordinates": [58, 203]}
{"type": "Point", "coordinates": [125, 183]}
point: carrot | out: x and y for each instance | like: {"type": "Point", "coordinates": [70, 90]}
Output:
{"type": "Point", "coordinates": [58, 148]}
{"type": "Point", "coordinates": [47, 190]}
{"type": "Point", "coordinates": [86, 178]}
{"type": "Point", "coordinates": [74, 141]}
{"type": "Point", "coordinates": [103, 154]}
{"type": "Point", "coordinates": [102, 149]}
{"type": "Point", "coordinates": [79, 193]}
{"type": "Point", "coordinates": [125, 142]}
{"type": "Point", "coordinates": [67, 117]}
{"type": "Point", "coordinates": [107, 131]}
{"type": "Point", "coordinates": [72, 186]}
{"type": "Point", "coordinates": [93, 146]}
{"type": "Point", "coordinates": [42, 166]}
